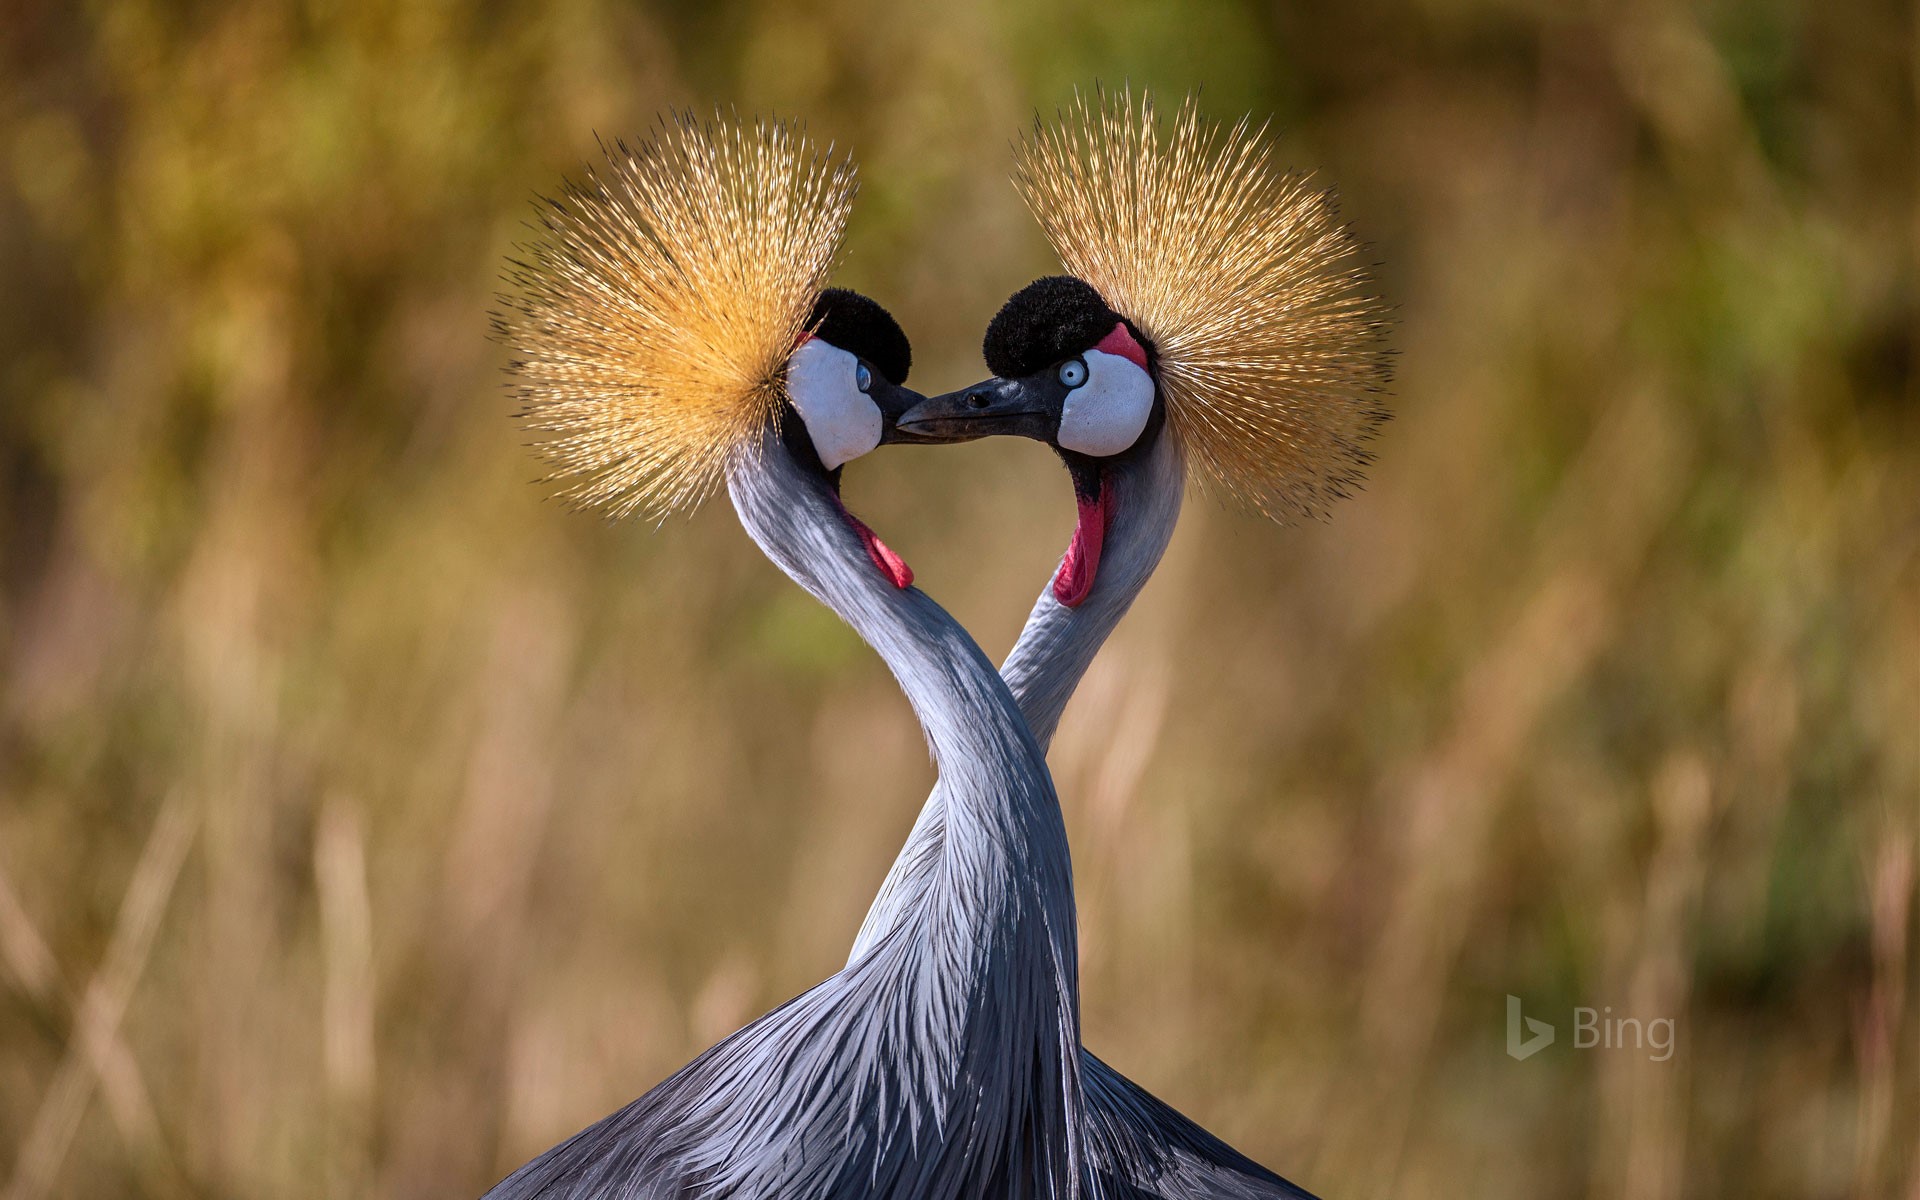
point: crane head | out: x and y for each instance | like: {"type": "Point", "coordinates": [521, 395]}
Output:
{"type": "Point", "coordinates": [1211, 298]}
{"type": "Point", "coordinates": [844, 395]}
{"type": "Point", "coordinates": [672, 311]}
{"type": "Point", "coordinates": [1073, 373]}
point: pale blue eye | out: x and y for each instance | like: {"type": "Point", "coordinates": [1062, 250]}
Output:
{"type": "Point", "coordinates": [863, 377]}
{"type": "Point", "coordinates": [1073, 372]}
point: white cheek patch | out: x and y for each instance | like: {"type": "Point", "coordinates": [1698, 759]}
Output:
{"type": "Point", "coordinates": [1105, 415]}
{"type": "Point", "coordinates": [842, 420]}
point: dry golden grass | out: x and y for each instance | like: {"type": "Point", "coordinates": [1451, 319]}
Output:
{"type": "Point", "coordinates": [366, 823]}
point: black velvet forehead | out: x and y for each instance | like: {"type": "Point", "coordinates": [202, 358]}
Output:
{"type": "Point", "coordinates": [1047, 320]}
{"type": "Point", "coordinates": [857, 324]}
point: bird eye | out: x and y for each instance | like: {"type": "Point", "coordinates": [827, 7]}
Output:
{"type": "Point", "coordinates": [863, 377]}
{"type": "Point", "coordinates": [1073, 372]}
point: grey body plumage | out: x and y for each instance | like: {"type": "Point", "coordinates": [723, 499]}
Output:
{"type": "Point", "coordinates": [944, 1060]}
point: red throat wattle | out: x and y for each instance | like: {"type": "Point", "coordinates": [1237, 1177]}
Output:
{"type": "Point", "coordinates": [1121, 341]}
{"type": "Point", "coordinates": [1074, 581]}
{"type": "Point", "coordinates": [889, 564]}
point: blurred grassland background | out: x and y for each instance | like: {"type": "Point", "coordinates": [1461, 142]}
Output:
{"type": "Point", "coordinates": [368, 822]}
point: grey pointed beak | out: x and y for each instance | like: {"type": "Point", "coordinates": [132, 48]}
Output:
{"type": "Point", "coordinates": [1016, 407]}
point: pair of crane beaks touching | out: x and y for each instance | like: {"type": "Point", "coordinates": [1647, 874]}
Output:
{"type": "Point", "coordinates": [673, 332]}
{"type": "Point", "coordinates": [1071, 372]}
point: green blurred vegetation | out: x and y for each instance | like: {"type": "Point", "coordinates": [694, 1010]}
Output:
{"type": "Point", "coordinates": [367, 823]}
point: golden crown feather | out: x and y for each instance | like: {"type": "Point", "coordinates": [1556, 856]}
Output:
{"type": "Point", "coordinates": [1271, 345]}
{"type": "Point", "coordinates": [652, 319]}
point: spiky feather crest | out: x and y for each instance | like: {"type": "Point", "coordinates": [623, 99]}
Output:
{"type": "Point", "coordinates": [652, 319]}
{"type": "Point", "coordinates": [1270, 342]}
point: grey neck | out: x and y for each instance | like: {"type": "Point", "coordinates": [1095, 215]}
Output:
{"type": "Point", "coordinates": [1048, 662]}
{"type": "Point", "coordinates": [1006, 842]}
{"type": "Point", "coordinates": [1058, 643]}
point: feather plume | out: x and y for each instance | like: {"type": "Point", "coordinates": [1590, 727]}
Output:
{"type": "Point", "coordinates": [1271, 345]}
{"type": "Point", "coordinates": [652, 319]}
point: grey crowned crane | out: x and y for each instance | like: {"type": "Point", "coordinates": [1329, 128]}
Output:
{"type": "Point", "coordinates": [1215, 318]}
{"type": "Point", "coordinates": [672, 332]}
